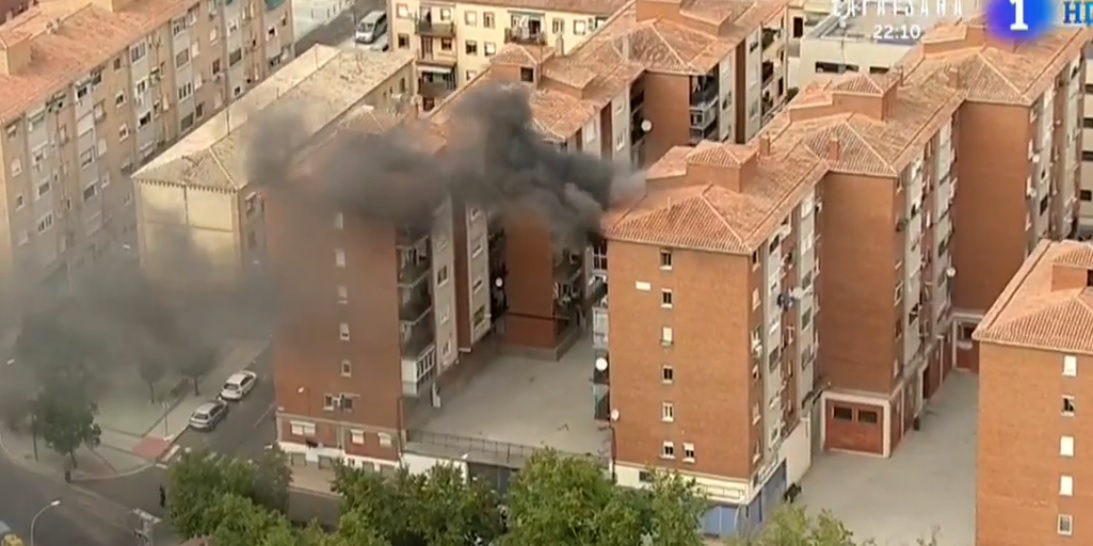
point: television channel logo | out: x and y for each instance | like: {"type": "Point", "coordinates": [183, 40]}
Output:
{"type": "Point", "coordinates": [1025, 20]}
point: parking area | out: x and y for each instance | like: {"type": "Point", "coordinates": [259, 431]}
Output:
{"type": "Point", "coordinates": [528, 402]}
{"type": "Point", "coordinates": [929, 482]}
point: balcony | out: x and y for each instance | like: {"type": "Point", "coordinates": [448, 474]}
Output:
{"type": "Point", "coordinates": [414, 302]}
{"type": "Point", "coordinates": [599, 325]}
{"type": "Point", "coordinates": [567, 267]}
{"type": "Point", "coordinates": [525, 36]}
{"type": "Point", "coordinates": [768, 72]}
{"type": "Point", "coordinates": [770, 35]}
{"type": "Point", "coordinates": [704, 97]}
{"type": "Point", "coordinates": [414, 264]}
{"type": "Point", "coordinates": [425, 26]}
{"type": "Point", "coordinates": [435, 89]}
{"type": "Point", "coordinates": [418, 337]}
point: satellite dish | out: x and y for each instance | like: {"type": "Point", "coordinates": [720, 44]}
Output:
{"type": "Point", "coordinates": [614, 415]}
{"type": "Point", "coordinates": [601, 364]}
{"type": "Point", "coordinates": [646, 125]}
{"type": "Point", "coordinates": [499, 282]}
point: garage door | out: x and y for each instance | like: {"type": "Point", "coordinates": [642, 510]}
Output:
{"type": "Point", "coordinates": [854, 427]}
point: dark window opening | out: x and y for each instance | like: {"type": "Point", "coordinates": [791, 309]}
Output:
{"type": "Point", "coordinates": [527, 74]}
{"type": "Point", "coordinates": [798, 27]}
{"type": "Point", "coordinates": [1089, 277]}
{"type": "Point", "coordinates": [868, 416]}
{"type": "Point", "coordinates": [842, 413]}
{"type": "Point", "coordinates": [1086, 195]}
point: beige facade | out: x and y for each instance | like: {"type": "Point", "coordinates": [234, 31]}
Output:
{"type": "Point", "coordinates": [195, 202]}
{"type": "Point", "coordinates": [91, 89]}
{"type": "Point", "coordinates": [455, 41]}
{"type": "Point", "coordinates": [1085, 213]}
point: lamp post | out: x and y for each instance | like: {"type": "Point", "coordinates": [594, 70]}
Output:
{"type": "Point", "coordinates": [34, 521]}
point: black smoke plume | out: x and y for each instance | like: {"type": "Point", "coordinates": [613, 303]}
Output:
{"type": "Point", "coordinates": [493, 159]}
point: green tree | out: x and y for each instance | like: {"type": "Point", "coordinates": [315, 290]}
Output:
{"type": "Point", "coordinates": [386, 502]}
{"type": "Point", "coordinates": [66, 421]}
{"type": "Point", "coordinates": [241, 522]}
{"type": "Point", "coordinates": [792, 525]}
{"type": "Point", "coordinates": [675, 506]}
{"type": "Point", "coordinates": [195, 366]}
{"type": "Point", "coordinates": [198, 479]}
{"type": "Point", "coordinates": [567, 500]}
{"type": "Point", "coordinates": [451, 510]}
{"type": "Point", "coordinates": [271, 480]}
{"type": "Point", "coordinates": [151, 372]}
{"type": "Point", "coordinates": [353, 530]}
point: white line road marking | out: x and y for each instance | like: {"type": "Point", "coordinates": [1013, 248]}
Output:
{"type": "Point", "coordinates": [171, 453]}
{"type": "Point", "coordinates": [265, 414]}
{"type": "Point", "coordinates": [162, 465]}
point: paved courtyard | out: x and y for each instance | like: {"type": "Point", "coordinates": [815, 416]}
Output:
{"type": "Point", "coordinates": [529, 402]}
{"type": "Point", "coordinates": [928, 483]}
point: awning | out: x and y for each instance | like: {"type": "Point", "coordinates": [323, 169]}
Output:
{"type": "Point", "coordinates": [436, 69]}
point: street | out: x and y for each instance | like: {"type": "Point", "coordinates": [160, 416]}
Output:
{"type": "Point", "coordinates": [79, 519]}
{"type": "Point", "coordinates": [249, 427]}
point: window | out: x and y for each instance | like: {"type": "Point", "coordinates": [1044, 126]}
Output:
{"type": "Point", "coordinates": [16, 167]}
{"type": "Point", "coordinates": [489, 48]}
{"type": "Point", "coordinates": [45, 222]}
{"type": "Point", "coordinates": [667, 374]}
{"type": "Point", "coordinates": [487, 19]}
{"type": "Point", "coordinates": [1066, 486]}
{"type": "Point", "coordinates": [87, 157]}
{"type": "Point", "coordinates": [402, 11]}
{"type": "Point", "coordinates": [347, 368]}
{"type": "Point", "coordinates": [123, 132]}
{"type": "Point", "coordinates": [668, 450]}
{"type": "Point", "coordinates": [667, 412]}
{"type": "Point", "coordinates": [43, 189]}
{"type": "Point", "coordinates": [1066, 525]}
{"type": "Point", "coordinates": [1086, 195]}
{"type": "Point", "coordinates": [356, 436]}
{"type": "Point", "coordinates": [445, 14]}
{"type": "Point", "coordinates": [403, 41]}
{"type": "Point", "coordinates": [1070, 366]}
{"type": "Point", "coordinates": [20, 201]}
{"type": "Point", "coordinates": [665, 259]}
{"type": "Point", "coordinates": [1068, 405]}
{"type": "Point", "coordinates": [343, 331]}
{"type": "Point", "coordinates": [329, 402]}
{"type": "Point", "coordinates": [183, 58]}
{"type": "Point", "coordinates": [470, 74]}
{"type": "Point", "coordinates": [557, 26]}
{"type": "Point", "coordinates": [445, 44]}
{"type": "Point", "coordinates": [339, 221]}
{"type": "Point", "coordinates": [300, 428]}
{"type": "Point", "coordinates": [1066, 446]}
{"type": "Point", "coordinates": [119, 99]}
{"type": "Point", "coordinates": [666, 336]}
{"type": "Point", "coordinates": [339, 257]}
{"type": "Point", "coordinates": [345, 403]}
{"type": "Point", "coordinates": [471, 18]}
{"type": "Point", "coordinates": [868, 416]}
{"type": "Point", "coordinates": [91, 191]}
{"type": "Point", "coordinates": [479, 246]}
{"type": "Point", "coordinates": [186, 91]}
{"type": "Point", "coordinates": [688, 452]}
{"type": "Point", "coordinates": [442, 276]}
{"type": "Point", "coordinates": [666, 299]}
{"type": "Point", "coordinates": [137, 52]}
{"type": "Point", "coordinates": [343, 294]}
{"type": "Point", "coordinates": [470, 47]}
{"type": "Point", "coordinates": [580, 28]}
{"type": "Point", "coordinates": [478, 284]}
{"type": "Point", "coordinates": [527, 74]}
{"type": "Point", "coordinates": [384, 438]}
{"type": "Point", "coordinates": [842, 413]}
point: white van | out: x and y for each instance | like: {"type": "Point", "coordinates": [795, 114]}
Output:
{"type": "Point", "coordinates": [383, 43]}
{"type": "Point", "coordinates": [371, 27]}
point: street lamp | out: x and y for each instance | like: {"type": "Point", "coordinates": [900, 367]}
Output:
{"type": "Point", "coordinates": [34, 521]}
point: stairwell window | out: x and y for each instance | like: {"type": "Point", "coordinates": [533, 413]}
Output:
{"type": "Point", "coordinates": [667, 412]}
{"type": "Point", "coordinates": [339, 257]}
{"type": "Point", "coordinates": [667, 450]}
{"type": "Point", "coordinates": [347, 368]}
{"type": "Point", "coordinates": [1066, 525]}
{"type": "Point", "coordinates": [343, 295]}
{"type": "Point", "coordinates": [667, 336]}
{"type": "Point", "coordinates": [343, 331]}
{"type": "Point", "coordinates": [666, 259]}
{"type": "Point", "coordinates": [666, 299]}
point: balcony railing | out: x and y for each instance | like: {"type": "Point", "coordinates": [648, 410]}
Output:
{"type": "Point", "coordinates": [422, 335]}
{"type": "Point", "coordinates": [768, 72]}
{"type": "Point", "coordinates": [414, 271]}
{"type": "Point", "coordinates": [524, 36]}
{"type": "Point", "coordinates": [702, 98]}
{"type": "Point", "coordinates": [769, 36]}
{"type": "Point", "coordinates": [416, 304]}
{"type": "Point", "coordinates": [426, 27]}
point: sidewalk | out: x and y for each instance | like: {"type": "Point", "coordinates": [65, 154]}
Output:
{"type": "Point", "coordinates": [135, 433]}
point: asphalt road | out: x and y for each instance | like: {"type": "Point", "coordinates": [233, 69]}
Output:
{"type": "Point", "coordinates": [80, 518]}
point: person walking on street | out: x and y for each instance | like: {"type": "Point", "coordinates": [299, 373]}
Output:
{"type": "Point", "coordinates": [162, 497]}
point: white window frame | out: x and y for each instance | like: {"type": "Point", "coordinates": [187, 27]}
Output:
{"type": "Point", "coordinates": [356, 436]}
{"type": "Point", "coordinates": [666, 293]}
{"type": "Point", "coordinates": [1066, 486]}
{"type": "Point", "coordinates": [346, 368]}
{"type": "Point", "coordinates": [1070, 366]}
{"type": "Point", "coordinates": [1066, 446]}
{"type": "Point", "coordinates": [339, 257]}
{"type": "Point", "coordinates": [343, 331]}
{"type": "Point", "coordinates": [688, 452]}
{"type": "Point", "coordinates": [301, 428]}
{"type": "Point", "coordinates": [343, 294]}
{"type": "Point", "coordinates": [667, 450]}
{"type": "Point", "coordinates": [1065, 525]}
{"type": "Point", "coordinates": [667, 336]}
{"type": "Point", "coordinates": [339, 221]}
{"type": "Point", "coordinates": [667, 412]}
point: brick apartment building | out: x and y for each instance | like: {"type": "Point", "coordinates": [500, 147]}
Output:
{"type": "Point", "coordinates": [834, 288]}
{"type": "Point", "coordinates": [418, 299]}
{"type": "Point", "coordinates": [89, 90]}
{"type": "Point", "coordinates": [1035, 348]}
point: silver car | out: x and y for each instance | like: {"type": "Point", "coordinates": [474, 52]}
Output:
{"type": "Point", "coordinates": [208, 415]}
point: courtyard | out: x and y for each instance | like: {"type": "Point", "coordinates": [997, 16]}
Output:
{"type": "Point", "coordinates": [518, 404]}
{"type": "Point", "coordinates": [927, 484]}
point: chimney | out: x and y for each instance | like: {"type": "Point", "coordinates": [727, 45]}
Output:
{"type": "Point", "coordinates": [764, 145]}
{"type": "Point", "coordinates": [953, 75]}
{"type": "Point", "coordinates": [833, 149]}
{"type": "Point", "coordinates": [15, 55]}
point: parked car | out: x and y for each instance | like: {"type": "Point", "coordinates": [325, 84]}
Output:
{"type": "Point", "coordinates": [383, 43]}
{"type": "Point", "coordinates": [239, 385]}
{"type": "Point", "coordinates": [370, 27]}
{"type": "Point", "coordinates": [208, 415]}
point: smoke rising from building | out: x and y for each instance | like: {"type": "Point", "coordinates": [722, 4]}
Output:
{"type": "Point", "coordinates": [493, 159]}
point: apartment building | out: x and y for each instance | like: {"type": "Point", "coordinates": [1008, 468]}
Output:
{"type": "Point", "coordinates": [1019, 142]}
{"type": "Point", "coordinates": [742, 218]}
{"type": "Point", "coordinates": [632, 91]}
{"type": "Point", "coordinates": [91, 89]}
{"type": "Point", "coordinates": [454, 41]}
{"type": "Point", "coordinates": [196, 203]}
{"type": "Point", "coordinates": [1035, 348]}
{"type": "Point", "coordinates": [1085, 215]}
